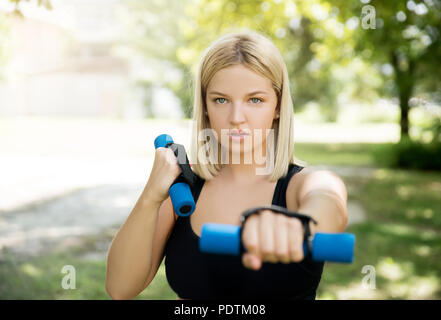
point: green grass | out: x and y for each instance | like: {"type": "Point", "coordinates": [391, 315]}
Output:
{"type": "Point", "coordinates": [41, 277]}
{"type": "Point", "coordinates": [406, 261]}
{"type": "Point", "coordinates": [343, 154]}
{"type": "Point", "coordinates": [410, 197]}
{"type": "Point", "coordinates": [401, 239]}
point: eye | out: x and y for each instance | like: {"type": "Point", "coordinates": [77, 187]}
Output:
{"type": "Point", "coordinates": [258, 100]}
{"type": "Point", "coordinates": [216, 100]}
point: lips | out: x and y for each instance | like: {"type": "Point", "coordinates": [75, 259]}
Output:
{"type": "Point", "coordinates": [238, 132]}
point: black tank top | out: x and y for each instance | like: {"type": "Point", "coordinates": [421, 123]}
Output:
{"type": "Point", "coordinates": [196, 275]}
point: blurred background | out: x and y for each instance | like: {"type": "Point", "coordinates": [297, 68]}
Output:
{"type": "Point", "coordinates": [86, 86]}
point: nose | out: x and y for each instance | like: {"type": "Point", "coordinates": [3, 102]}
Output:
{"type": "Point", "coordinates": [237, 116]}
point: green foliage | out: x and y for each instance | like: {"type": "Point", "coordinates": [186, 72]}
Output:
{"type": "Point", "coordinates": [324, 55]}
{"type": "Point", "coordinates": [407, 38]}
{"type": "Point", "coordinates": [316, 48]}
{"type": "Point", "coordinates": [434, 128]}
{"type": "Point", "coordinates": [401, 30]}
{"type": "Point", "coordinates": [409, 154]}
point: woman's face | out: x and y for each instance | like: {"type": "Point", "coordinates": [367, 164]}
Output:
{"type": "Point", "coordinates": [238, 99]}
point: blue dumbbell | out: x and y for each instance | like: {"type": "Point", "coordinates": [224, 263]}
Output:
{"type": "Point", "coordinates": [225, 239]}
{"type": "Point", "coordinates": [180, 191]}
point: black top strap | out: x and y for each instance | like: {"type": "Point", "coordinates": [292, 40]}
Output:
{"type": "Point", "coordinates": [283, 183]}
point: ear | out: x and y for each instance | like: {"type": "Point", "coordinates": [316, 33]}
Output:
{"type": "Point", "coordinates": [276, 113]}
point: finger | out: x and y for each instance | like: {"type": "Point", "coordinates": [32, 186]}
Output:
{"type": "Point", "coordinates": [246, 261]}
{"type": "Point", "coordinates": [170, 156]}
{"type": "Point", "coordinates": [266, 228]}
{"type": "Point", "coordinates": [250, 235]}
{"type": "Point", "coordinates": [251, 261]}
{"type": "Point", "coordinates": [295, 236]}
{"type": "Point", "coordinates": [281, 239]}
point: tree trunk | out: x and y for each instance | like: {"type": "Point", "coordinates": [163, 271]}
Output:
{"type": "Point", "coordinates": [404, 112]}
{"type": "Point", "coordinates": [404, 80]}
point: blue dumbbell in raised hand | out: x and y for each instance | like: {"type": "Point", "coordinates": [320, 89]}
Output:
{"type": "Point", "coordinates": [226, 239]}
{"type": "Point", "coordinates": [180, 191]}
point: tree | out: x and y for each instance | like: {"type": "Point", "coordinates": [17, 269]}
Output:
{"type": "Point", "coordinates": [405, 36]}
{"type": "Point", "coordinates": [178, 31]}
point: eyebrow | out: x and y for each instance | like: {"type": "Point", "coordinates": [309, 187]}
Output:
{"type": "Point", "coordinates": [249, 94]}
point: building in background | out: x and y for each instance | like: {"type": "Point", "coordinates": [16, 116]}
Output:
{"type": "Point", "coordinates": [62, 63]}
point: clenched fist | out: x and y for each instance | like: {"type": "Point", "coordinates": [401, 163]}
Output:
{"type": "Point", "coordinates": [164, 171]}
{"type": "Point", "coordinates": [272, 237]}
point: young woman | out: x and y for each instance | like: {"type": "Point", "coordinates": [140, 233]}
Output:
{"type": "Point", "coordinates": [242, 88]}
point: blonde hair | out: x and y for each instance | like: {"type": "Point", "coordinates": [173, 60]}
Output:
{"type": "Point", "coordinates": [258, 53]}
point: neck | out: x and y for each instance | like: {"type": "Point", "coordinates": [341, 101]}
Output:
{"type": "Point", "coordinates": [245, 171]}
{"type": "Point", "coordinates": [240, 172]}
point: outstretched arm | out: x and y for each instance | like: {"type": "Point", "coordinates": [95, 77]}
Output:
{"type": "Point", "coordinates": [275, 238]}
{"type": "Point", "coordinates": [323, 196]}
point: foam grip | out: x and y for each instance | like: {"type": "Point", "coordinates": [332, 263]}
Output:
{"type": "Point", "coordinates": [225, 239]}
{"type": "Point", "coordinates": [336, 247]}
{"type": "Point", "coordinates": [182, 199]}
{"type": "Point", "coordinates": [180, 192]}
{"type": "Point", "coordinates": [162, 140]}
{"type": "Point", "coordinates": [220, 238]}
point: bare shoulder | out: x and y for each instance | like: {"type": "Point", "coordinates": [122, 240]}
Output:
{"type": "Point", "coordinates": [312, 179]}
